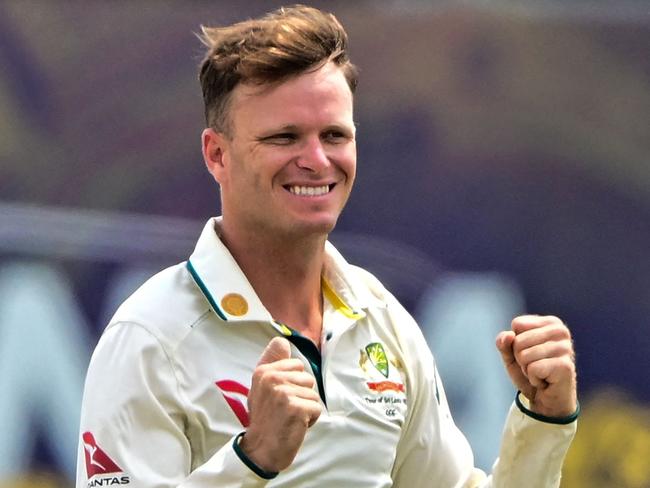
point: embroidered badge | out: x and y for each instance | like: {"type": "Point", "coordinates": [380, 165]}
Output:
{"type": "Point", "coordinates": [384, 380]}
{"type": "Point", "coordinates": [375, 354]}
{"type": "Point", "coordinates": [234, 304]}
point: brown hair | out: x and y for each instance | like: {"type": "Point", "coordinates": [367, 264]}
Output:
{"type": "Point", "coordinates": [270, 49]}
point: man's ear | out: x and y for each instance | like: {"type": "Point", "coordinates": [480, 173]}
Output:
{"type": "Point", "coordinates": [214, 147]}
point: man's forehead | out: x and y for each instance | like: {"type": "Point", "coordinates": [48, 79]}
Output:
{"type": "Point", "coordinates": [315, 99]}
{"type": "Point", "coordinates": [248, 90]}
{"type": "Point", "coordinates": [328, 75]}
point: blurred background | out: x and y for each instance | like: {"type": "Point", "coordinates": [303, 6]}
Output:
{"type": "Point", "coordinates": [503, 167]}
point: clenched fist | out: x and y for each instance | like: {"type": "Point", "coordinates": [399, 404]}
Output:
{"type": "Point", "coordinates": [538, 354]}
{"type": "Point", "coordinates": [282, 405]}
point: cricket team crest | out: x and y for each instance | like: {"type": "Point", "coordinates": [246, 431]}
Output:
{"type": "Point", "coordinates": [373, 359]}
{"type": "Point", "coordinates": [377, 355]}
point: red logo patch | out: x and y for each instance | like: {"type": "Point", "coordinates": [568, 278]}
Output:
{"type": "Point", "coordinates": [385, 386]}
{"type": "Point", "coordinates": [230, 387]}
{"type": "Point", "coordinates": [97, 461]}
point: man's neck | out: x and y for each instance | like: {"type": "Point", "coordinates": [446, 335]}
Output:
{"type": "Point", "coordinates": [286, 275]}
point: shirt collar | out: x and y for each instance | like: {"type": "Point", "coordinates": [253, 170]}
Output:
{"type": "Point", "coordinates": [232, 297]}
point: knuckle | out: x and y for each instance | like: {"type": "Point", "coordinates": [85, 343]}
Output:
{"type": "Point", "coordinates": [272, 378]}
{"type": "Point", "coordinates": [295, 364]}
{"type": "Point", "coordinates": [567, 364]}
{"type": "Point", "coordinates": [526, 318]}
{"type": "Point", "coordinates": [281, 394]}
{"type": "Point", "coordinates": [294, 407]}
{"type": "Point", "coordinates": [518, 322]}
{"type": "Point", "coordinates": [258, 373]}
{"type": "Point", "coordinates": [538, 369]}
{"type": "Point", "coordinates": [518, 344]}
{"type": "Point", "coordinates": [566, 347]}
{"type": "Point", "coordinates": [553, 319]}
{"type": "Point", "coordinates": [315, 413]}
{"type": "Point", "coordinates": [523, 356]}
{"type": "Point", "coordinates": [562, 330]}
{"type": "Point", "coordinates": [308, 379]}
{"type": "Point", "coordinates": [533, 372]}
{"type": "Point", "coordinates": [268, 376]}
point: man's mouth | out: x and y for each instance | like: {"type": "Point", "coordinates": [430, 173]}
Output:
{"type": "Point", "coordinates": [309, 191]}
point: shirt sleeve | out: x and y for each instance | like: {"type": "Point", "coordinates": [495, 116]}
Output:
{"type": "Point", "coordinates": [434, 453]}
{"type": "Point", "coordinates": [133, 424]}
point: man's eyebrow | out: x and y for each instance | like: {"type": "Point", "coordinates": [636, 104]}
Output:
{"type": "Point", "coordinates": [343, 127]}
{"type": "Point", "coordinates": [284, 128]}
{"type": "Point", "coordinates": [288, 127]}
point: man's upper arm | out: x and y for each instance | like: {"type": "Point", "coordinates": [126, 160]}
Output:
{"type": "Point", "coordinates": [432, 451]}
{"type": "Point", "coordinates": [132, 418]}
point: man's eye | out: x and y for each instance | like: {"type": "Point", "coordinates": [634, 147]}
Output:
{"type": "Point", "coordinates": [335, 136]}
{"type": "Point", "coordinates": [283, 138]}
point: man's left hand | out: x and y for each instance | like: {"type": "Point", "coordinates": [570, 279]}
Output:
{"type": "Point", "coordinates": [538, 355]}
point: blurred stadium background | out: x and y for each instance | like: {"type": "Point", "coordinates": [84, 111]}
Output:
{"type": "Point", "coordinates": [503, 166]}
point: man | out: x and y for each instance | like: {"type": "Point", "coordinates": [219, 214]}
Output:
{"type": "Point", "coordinates": [266, 359]}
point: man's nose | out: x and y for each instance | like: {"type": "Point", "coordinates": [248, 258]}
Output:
{"type": "Point", "coordinates": [313, 156]}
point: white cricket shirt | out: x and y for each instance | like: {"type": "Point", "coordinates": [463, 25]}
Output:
{"type": "Point", "coordinates": [165, 394]}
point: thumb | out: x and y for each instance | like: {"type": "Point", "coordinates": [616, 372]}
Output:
{"type": "Point", "coordinates": [504, 343]}
{"type": "Point", "coordinates": [278, 348]}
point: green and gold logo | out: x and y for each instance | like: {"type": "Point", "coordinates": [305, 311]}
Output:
{"type": "Point", "coordinates": [377, 357]}
{"type": "Point", "coordinates": [375, 354]}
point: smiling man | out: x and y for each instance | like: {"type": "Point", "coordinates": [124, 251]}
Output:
{"type": "Point", "coordinates": [266, 359]}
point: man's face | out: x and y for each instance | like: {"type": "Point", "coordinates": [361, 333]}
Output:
{"type": "Point", "coordinates": [288, 165]}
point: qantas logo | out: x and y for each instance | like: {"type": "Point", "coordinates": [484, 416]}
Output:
{"type": "Point", "coordinates": [97, 461]}
{"type": "Point", "coordinates": [99, 464]}
{"type": "Point", "coordinates": [236, 395]}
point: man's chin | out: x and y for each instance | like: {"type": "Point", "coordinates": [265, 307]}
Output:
{"type": "Point", "coordinates": [313, 227]}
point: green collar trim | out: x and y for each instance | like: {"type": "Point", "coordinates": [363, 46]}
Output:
{"type": "Point", "coordinates": [199, 282]}
{"type": "Point", "coordinates": [309, 350]}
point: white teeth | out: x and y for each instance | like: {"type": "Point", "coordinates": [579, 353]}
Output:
{"type": "Point", "coordinates": [309, 190]}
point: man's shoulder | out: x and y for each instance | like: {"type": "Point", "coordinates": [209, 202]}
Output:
{"type": "Point", "coordinates": [372, 284]}
{"type": "Point", "coordinates": [354, 281]}
{"type": "Point", "coordinates": [167, 305]}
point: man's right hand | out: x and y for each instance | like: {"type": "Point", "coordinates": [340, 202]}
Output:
{"type": "Point", "coordinates": [282, 405]}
